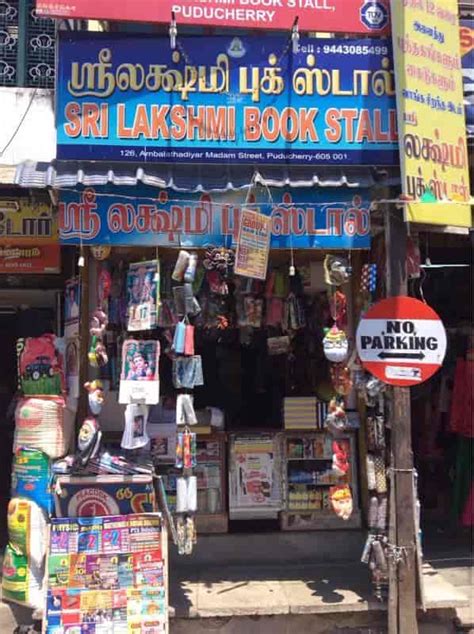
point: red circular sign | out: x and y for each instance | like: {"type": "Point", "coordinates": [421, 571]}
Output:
{"type": "Point", "coordinates": [401, 341]}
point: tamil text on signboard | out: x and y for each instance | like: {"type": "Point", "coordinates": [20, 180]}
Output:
{"type": "Point", "coordinates": [431, 111]}
{"type": "Point", "coordinates": [300, 218]}
{"type": "Point", "coordinates": [235, 99]}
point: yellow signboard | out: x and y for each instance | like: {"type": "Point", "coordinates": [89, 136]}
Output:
{"type": "Point", "coordinates": [431, 124]}
{"type": "Point", "coordinates": [23, 221]}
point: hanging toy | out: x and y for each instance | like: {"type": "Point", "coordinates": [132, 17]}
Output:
{"type": "Point", "coordinates": [97, 351]}
{"type": "Point", "coordinates": [88, 442]}
{"type": "Point", "coordinates": [104, 286]}
{"type": "Point", "coordinates": [340, 459]}
{"type": "Point", "coordinates": [96, 397]}
{"type": "Point", "coordinates": [101, 252]}
{"type": "Point", "coordinates": [336, 270]}
{"type": "Point", "coordinates": [335, 345]}
{"type": "Point", "coordinates": [336, 420]}
{"type": "Point", "coordinates": [374, 390]}
{"type": "Point", "coordinates": [368, 278]}
{"type": "Point", "coordinates": [338, 308]}
{"type": "Point", "coordinates": [341, 378]}
{"type": "Point", "coordinates": [341, 501]}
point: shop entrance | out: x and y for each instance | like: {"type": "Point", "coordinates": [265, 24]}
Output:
{"type": "Point", "coordinates": [25, 313]}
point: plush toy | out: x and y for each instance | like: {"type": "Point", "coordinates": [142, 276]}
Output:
{"type": "Point", "coordinates": [335, 345]}
{"type": "Point", "coordinates": [341, 501]}
{"type": "Point", "coordinates": [96, 395]}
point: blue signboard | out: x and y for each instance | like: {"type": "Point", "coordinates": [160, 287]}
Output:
{"type": "Point", "coordinates": [302, 218]}
{"type": "Point", "coordinates": [219, 99]}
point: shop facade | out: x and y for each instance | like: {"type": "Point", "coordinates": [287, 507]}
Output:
{"type": "Point", "coordinates": [229, 229]}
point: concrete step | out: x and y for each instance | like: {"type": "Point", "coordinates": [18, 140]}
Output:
{"type": "Point", "coordinates": [268, 549]}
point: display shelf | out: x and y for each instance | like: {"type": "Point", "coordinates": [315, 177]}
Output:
{"type": "Point", "coordinates": [307, 504]}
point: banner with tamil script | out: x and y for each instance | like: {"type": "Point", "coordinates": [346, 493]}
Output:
{"type": "Point", "coordinates": [304, 218]}
{"type": "Point", "coordinates": [25, 221]}
{"type": "Point", "coordinates": [218, 99]}
{"type": "Point", "coordinates": [343, 16]}
{"type": "Point", "coordinates": [467, 57]}
{"type": "Point", "coordinates": [431, 120]}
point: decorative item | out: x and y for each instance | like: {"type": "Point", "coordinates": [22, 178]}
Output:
{"type": "Point", "coordinates": [335, 345]}
{"type": "Point", "coordinates": [96, 396]}
{"type": "Point", "coordinates": [341, 378]}
{"type": "Point", "coordinates": [336, 420]}
{"type": "Point", "coordinates": [336, 270]}
{"type": "Point", "coordinates": [139, 379]}
{"type": "Point", "coordinates": [341, 501]}
{"type": "Point", "coordinates": [340, 459]}
{"type": "Point", "coordinates": [143, 286]}
{"type": "Point", "coordinates": [97, 351]}
{"type": "Point", "coordinates": [101, 251]}
{"type": "Point", "coordinates": [88, 442]}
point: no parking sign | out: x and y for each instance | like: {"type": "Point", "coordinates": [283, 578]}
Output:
{"type": "Point", "coordinates": [401, 341]}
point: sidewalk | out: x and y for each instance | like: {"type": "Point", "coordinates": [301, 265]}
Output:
{"type": "Point", "coordinates": [292, 598]}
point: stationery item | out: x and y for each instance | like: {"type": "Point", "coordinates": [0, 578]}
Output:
{"type": "Point", "coordinates": [135, 432]}
{"type": "Point", "coordinates": [186, 450]}
{"type": "Point", "coordinates": [380, 474]}
{"type": "Point", "coordinates": [278, 345]}
{"type": "Point", "coordinates": [189, 305]}
{"type": "Point", "coordinates": [382, 516]}
{"type": "Point", "coordinates": [182, 264]}
{"type": "Point", "coordinates": [368, 278]}
{"type": "Point", "coordinates": [179, 338]}
{"type": "Point", "coordinates": [373, 512]}
{"type": "Point", "coordinates": [189, 340]}
{"type": "Point", "coordinates": [186, 494]}
{"type": "Point", "coordinates": [179, 300]}
{"type": "Point", "coordinates": [181, 495]}
{"type": "Point", "coordinates": [299, 412]}
{"type": "Point", "coordinates": [190, 272]}
{"type": "Point", "coordinates": [371, 481]}
{"type": "Point", "coordinates": [187, 372]}
{"type": "Point", "coordinates": [185, 414]}
{"type": "Point", "coordinates": [139, 378]}
{"type": "Point", "coordinates": [143, 284]}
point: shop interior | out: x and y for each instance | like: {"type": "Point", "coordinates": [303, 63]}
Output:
{"type": "Point", "coordinates": [262, 353]}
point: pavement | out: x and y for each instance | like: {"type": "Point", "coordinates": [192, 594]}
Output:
{"type": "Point", "coordinates": [298, 590]}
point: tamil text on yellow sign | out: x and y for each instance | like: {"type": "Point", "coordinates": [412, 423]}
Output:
{"type": "Point", "coordinates": [25, 221]}
{"type": "Point", "coordinates": [432, 132]}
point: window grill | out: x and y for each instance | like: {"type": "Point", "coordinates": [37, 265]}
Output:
{"type": "Point", "coordinates": [27, 46]}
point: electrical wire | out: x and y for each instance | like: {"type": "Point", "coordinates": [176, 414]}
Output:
{"type": "Point", "coordinates": [12, 138]}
